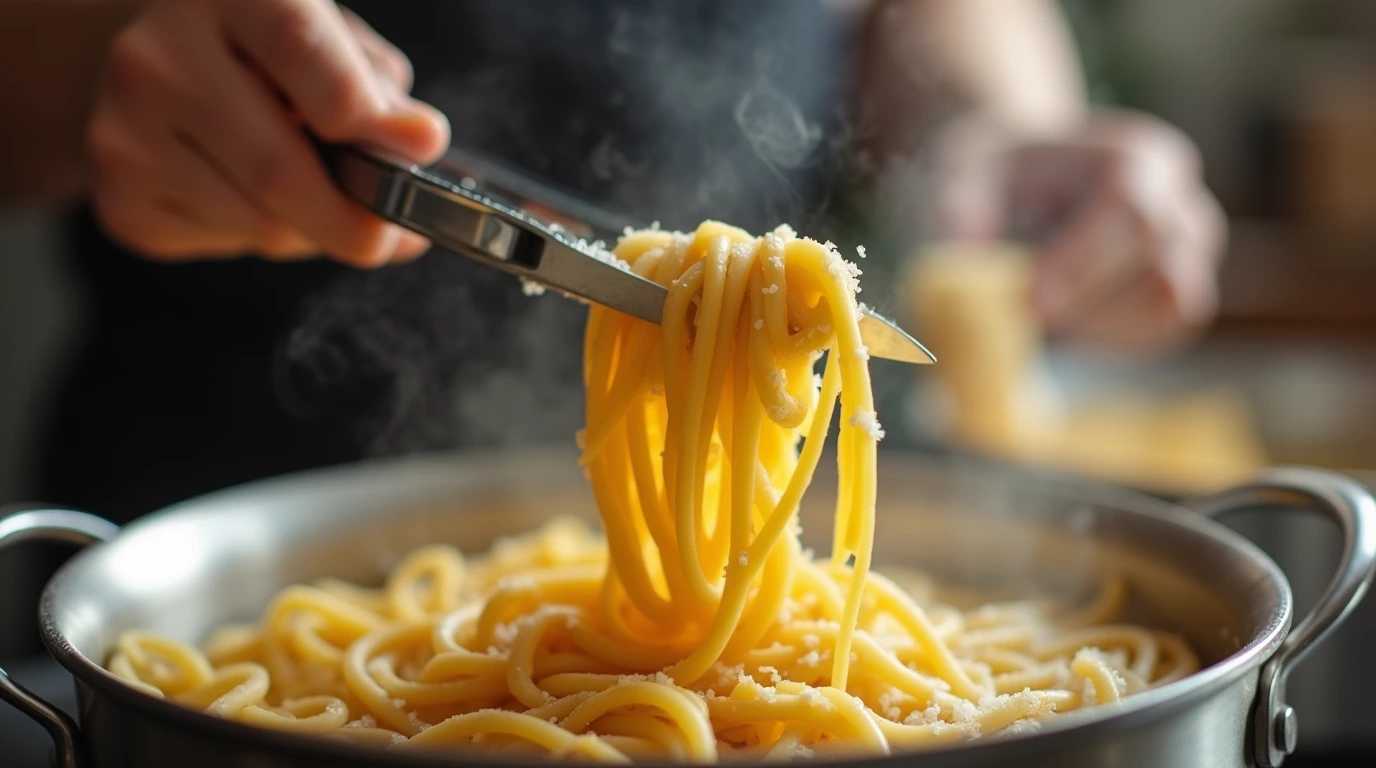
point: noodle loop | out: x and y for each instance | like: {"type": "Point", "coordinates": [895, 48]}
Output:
{"type": "Point", "coordinates": [697, 629]}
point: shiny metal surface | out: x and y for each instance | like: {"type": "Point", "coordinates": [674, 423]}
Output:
{"type": "Point", "coordinates": [499, 234]}
{"type": "Point", "coordinates": [1351, 507]}
{"type": "Point", "coordinates": [473, 168]}
{"type": "Point", "coordinates": [51, 525]}
{"type": "Point", "coordinates": [470, 220]}
{"type": "Point", "coordinates": [1312, 403]}
{"type": "Point", "coordinates": [885, 339]}
{"type": "Point", "coordinates": [220, 558]}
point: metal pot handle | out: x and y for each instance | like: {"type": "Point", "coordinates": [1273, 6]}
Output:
{"type": "Point", "coordinates": [48, 524]}
{"type": "Point", "coordinates": [1350, 505]}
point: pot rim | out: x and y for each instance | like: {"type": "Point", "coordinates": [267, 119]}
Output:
{"type": "Point", "coordinates": [1132, 712]}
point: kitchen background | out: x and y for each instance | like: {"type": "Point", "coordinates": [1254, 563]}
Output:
{"type": "Point", "coordinates": [1281, 97]}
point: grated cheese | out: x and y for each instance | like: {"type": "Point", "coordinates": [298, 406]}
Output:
{"type": "Point", "coordinates": [869, 422]}
{"type": "Point", "coordinates": [531, 288]}
{"type": "Point", "coordinates": [964, 711]}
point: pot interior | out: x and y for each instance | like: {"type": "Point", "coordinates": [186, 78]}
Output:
{"type": "Point", "coordinates": [220, 558]}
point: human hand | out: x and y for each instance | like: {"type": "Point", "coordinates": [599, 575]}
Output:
{"type": "Point", "coordinates": [1129, 238]}
{"type": "Point", "coordinates": [199, 140]}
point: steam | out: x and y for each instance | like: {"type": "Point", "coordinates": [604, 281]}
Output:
{"type": "Point", "coordinates": [438, 355]}
{"type": "Point", "coordinates": [781, 137]}
{"type": "Point", "coordinates": [686, 113]}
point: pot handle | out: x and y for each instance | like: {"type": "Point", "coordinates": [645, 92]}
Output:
{"type": "Point", "coordinates": [48, 524]}
{"type": "Point", "coordinates": [1351, 506]}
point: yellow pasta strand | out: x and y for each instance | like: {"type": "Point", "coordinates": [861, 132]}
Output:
{"type": "Point", "coordinates": [695, 628]}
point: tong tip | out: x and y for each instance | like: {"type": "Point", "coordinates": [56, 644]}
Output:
{"type": "Point", "coordinates": [885, 339]}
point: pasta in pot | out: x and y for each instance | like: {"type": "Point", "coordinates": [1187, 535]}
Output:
{"type": "Point", "coordinates": [696, 628]}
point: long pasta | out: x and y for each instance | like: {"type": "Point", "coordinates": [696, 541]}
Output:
{"type": "Point", "coordinates": [696, 628]}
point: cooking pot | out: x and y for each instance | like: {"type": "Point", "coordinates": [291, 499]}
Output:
{"type": "Point", "coordinates": [220, 558]}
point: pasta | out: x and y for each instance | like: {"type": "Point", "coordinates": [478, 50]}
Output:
{"type": "Point", "coordinates": [695, 628]}
{"type": "Point", "coordinates": [1004, 402]}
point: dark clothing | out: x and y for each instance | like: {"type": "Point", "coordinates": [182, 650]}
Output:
{"type": "Point", "coordinates": [196, 376]}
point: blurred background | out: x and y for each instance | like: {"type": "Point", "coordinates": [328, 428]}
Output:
{"type": "Point", "coordinates": [1281, 97]}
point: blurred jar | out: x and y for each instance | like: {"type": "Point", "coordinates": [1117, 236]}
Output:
{"type": "Point", "coordinates": [971, 302]}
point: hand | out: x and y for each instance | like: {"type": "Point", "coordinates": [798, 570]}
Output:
{"type": "Point", "coordinates": [199, 140]}
{"type": "Point", "coordinates": [1129, 237]}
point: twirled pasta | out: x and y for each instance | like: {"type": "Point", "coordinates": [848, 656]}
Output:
{"type": "Point", "coordinates": [698, 629]}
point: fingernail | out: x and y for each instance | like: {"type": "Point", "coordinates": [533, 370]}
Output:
{"type": "Point", "coordinates": [412, 128]}
{"type": "Point", "coordinates": [410, 245]}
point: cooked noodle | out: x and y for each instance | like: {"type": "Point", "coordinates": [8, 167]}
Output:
{"type": "Point", "coordinates": [698, 628]}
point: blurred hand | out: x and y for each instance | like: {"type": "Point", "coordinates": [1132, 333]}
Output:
{"type": "Point", "coordinates": [199, 140]}
{"type": "Point", "coordinates": [1129, 238]}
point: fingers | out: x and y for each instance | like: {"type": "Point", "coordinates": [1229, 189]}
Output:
{"type": "Point", "coordinates": [204, 196]}
{"type": "Point", "coordinates": [249, 139]}
{"type": "Point", "coordinates": [195, 155]}
{"type": "Point", "coordinates": [1132, 322]}
{"type": "Point", "coordinates": [1136, 265]}
{"type": "Point", "coordinates": [410, 246]}
{"type": "Point", "coordinates": [1192, 265]}
{"type": "Point", "coordinates": [1169, 295]}
{"type": "Point", "coordinates": [210, 220]}
{"type": "Point", "coordinates": [155, 229]}
{"type": "Point", "coordinates": [152, 192]}
{"type": "Point", "coordinates": [387, 60]}
{"type": "Point", "coordinates": [223, 206]}
{"type": "Point", "coordinates": [1142, 291]}
{"type": "Point", "coordinates": [1103, 248]}
{"type": "Point", "coordinates": [310, 53]}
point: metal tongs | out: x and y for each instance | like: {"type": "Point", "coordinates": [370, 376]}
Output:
{"type": "Point", "coordinates": [483, 210]}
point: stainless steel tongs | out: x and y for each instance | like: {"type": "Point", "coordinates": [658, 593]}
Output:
{"type": "Point", "coordinates": [482, 210]}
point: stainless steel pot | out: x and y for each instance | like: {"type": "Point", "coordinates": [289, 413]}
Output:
{"type": "Point", "coordinates": [220, 557]}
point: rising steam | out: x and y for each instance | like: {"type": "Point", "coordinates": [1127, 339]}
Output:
{"type": "Point", "coordinates": [725, 111]}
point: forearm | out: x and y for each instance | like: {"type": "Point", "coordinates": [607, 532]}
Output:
{"type": "Point", "coordinates": [52, 53]}
{"type": "Point", "coordinates": [927, 64]}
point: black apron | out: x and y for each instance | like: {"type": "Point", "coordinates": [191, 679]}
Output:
{"type": "Point", "coordinates": [191, 377]}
